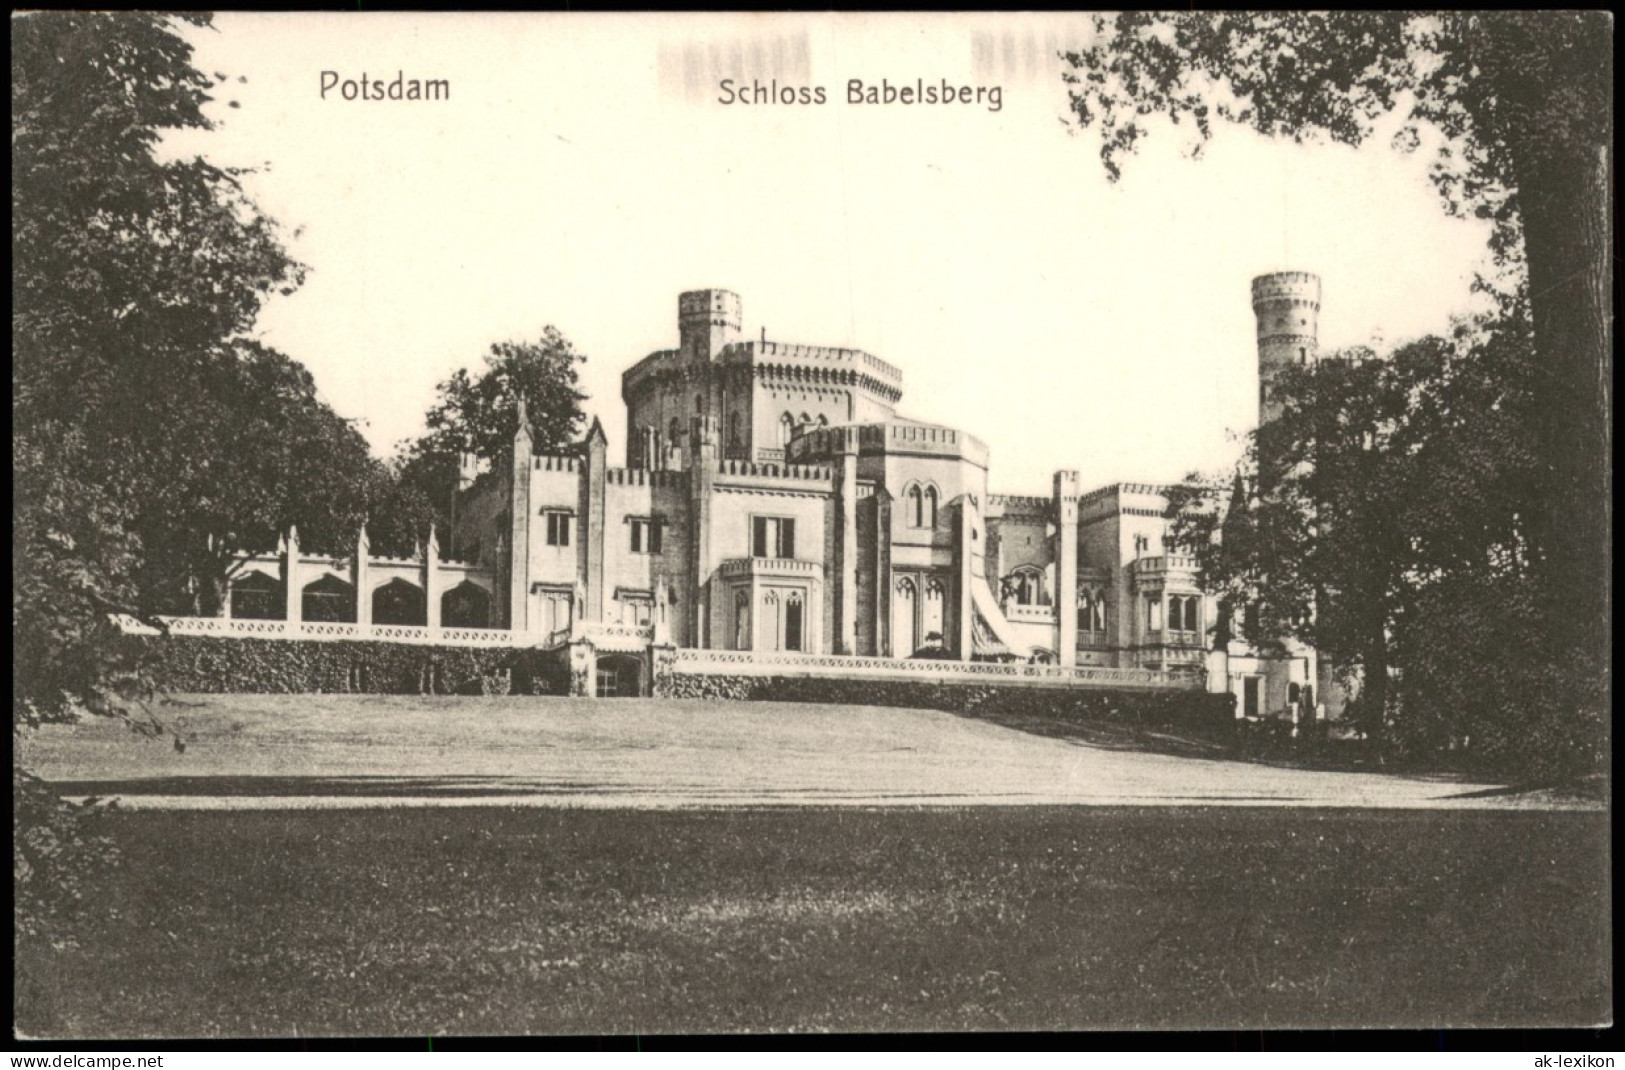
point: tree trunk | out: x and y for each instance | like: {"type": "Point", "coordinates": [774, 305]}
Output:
{"type": "Point", "coordinates": [1564, 197]}
{"type": "Point", "coordinates": [1374, 688]}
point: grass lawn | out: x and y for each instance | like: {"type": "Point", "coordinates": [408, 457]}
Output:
{"type": "Point", "coordinates": [501, 920]}
{"type": "Point", "coordinates": [260, 751]}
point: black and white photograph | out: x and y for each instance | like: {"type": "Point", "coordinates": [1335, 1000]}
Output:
{"type": "Point", "coordinates": [639, 525]}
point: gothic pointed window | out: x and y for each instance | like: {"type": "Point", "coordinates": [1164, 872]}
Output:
{"type": "Point", "coordinates": [742, 620]}
{"type": "Point", "coordinates": [793, 622]}
{"type": "Point", "coordinates": [929, 519]}
{"type": "Point", "coordinates": [904, 597]}
{"type": "Point", "coordinates": [786, 427]}
{"type": "Point", "coordinates": [931, 626]}
{"type": "Point", "coordinates": [915, 505]}
{"type": "Point", "coordinates": [1026, 586]}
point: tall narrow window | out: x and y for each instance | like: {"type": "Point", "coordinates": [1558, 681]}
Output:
{"type": "Point", "coordinates": [772, 624]}
{"type": "Point", "coordinates": [1153, 614]}
{"type": "Point", "coordinates": [929, 519]}
{"type": "Point", "coordinates": [792, 622]}
{"type": "Point", "coordinates": [773, 536]}
{"type": "Point", "coordinates": [674, 434]}
{"type": "Point", "coordinates": [916, 506]}
{"type": "Point", "coordinates": [645, 535]}
{"type": "Point", "coordinates": [931, 612]}
{"type": "Point", "coordinates": [903, 643]}
{"type": "Point", "coordinates": [742, 620]}
{"type": "Point", "coordinates": [558, 529]}
{"type": "Point", "coordinates": [786, 424]}
{"type": "Point", "coordinates": [733, 430]}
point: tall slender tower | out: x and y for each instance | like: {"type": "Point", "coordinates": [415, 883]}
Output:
{"type": "Point", "coordinates": [707, 320]}
{"type": "Point", "coordinates": [1287, 305]}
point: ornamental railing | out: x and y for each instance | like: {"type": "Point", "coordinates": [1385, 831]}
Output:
{"type": "Point", "coordinates": [782, 663]}
{"type": "Point", "coordinates": [330, 631]}
{"type": "Point", "coordinates": [1016, 613]}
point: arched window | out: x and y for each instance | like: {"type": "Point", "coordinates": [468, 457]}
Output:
{"type": "Point", "coordinates": [398, 602]}
{"type": "Point", "coordinates": [823, 421]}
{"type": "Point", "coordinates": [930, 518]}
{"type": "Point", "coordinates": [466, 605]}
{"type": "Point", "coordinates": [257, 596]}
{"type": "Point", "coordinates": [674, 434]}
{"type": "Point", "coordinates": [916, 505]}
{"type": "Point", "coordinates": [772, 628]}
{"type": "Point", "coordinates": [328, 599]}
{"type": "Point", "coordinates": [742, 620]}
{"type": "Point", "coordinates": [1027, 585]}
{"type": "Point", "coordinates": [786, 427]}
{"type": "Point", "coordinates": [792, 621]}
{"type": "Point", "coordinates": [931, 616]}
{"type": "Point", "coordinates": [903, 641]}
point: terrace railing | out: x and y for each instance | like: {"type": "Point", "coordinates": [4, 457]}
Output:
{"type": "Point", "coordinates": [331, 631]}
{"type": "Point", "coordinates": [780, 663]}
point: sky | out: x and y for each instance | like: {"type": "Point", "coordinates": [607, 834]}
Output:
{"type": "Point", "coordinates": [585, 170]}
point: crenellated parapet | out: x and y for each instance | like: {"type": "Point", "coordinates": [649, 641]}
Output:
{"type": "Point", "coordinates": [1131, 499]}
{"type": "Point", "coordinates": [645, 477]}
{"type": "Point", "coordinates": [793, 472]}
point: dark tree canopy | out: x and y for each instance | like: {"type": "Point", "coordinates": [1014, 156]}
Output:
{"type": "Point", "coordinates": [1385, 517]}
{"type": "Point", "coordinates": [151, 437]}
{"type": "Point", "coordinates": [477, 414]}
{"type": "Point", "coordinates": [1523, 105]}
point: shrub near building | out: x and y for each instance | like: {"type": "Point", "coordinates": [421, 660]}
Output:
{"type": "Point", "coordinates": [261, 666]}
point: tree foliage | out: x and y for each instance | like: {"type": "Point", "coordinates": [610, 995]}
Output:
{"type": "Point", "coordinates": [152, 437]}
{"type": "Point", "coordinates": [136, 281]}
{"type": "Point", "coordinates": [1517, 109]}
{"type": "Point", "coordinates": [477, 414]}
{"type": "Point", "coordinates": [1384, 517]}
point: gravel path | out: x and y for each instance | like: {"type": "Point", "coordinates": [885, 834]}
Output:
{"type": "Point", "coordinates": [322, 751]}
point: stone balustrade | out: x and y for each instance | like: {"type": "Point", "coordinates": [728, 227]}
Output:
{"type": "Point", "coordinates": [1165, 563]}
{"type": "Point", "coordinates": [330, 631]}
{"type": "Point", "coordinates": [1020, 614]}
{"type": "Point", "coordinates": [781, 663]}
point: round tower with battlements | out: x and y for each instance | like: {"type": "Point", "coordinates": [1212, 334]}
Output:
{"type": "Point", "coordinates": [1287, 306]}
{"type": "Point", "coordinates": [707, 320]}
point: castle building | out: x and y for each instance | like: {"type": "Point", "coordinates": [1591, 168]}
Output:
{"type": "Point", "coordinates": [775, 502]}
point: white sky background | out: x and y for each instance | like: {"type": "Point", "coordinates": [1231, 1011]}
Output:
{"type": "Point", "coordinates": [571, 180]}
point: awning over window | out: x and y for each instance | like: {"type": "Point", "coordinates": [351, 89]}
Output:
{"type": "Point", "coordinates": [990, 632]}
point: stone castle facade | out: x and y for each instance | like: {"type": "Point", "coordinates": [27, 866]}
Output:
{"type": "Point", "coordinates": [774, 501]}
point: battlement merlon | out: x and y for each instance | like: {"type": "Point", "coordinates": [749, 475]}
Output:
{"type": "Point", "coordinates": [768, 351]}
{"type": "Point", "coordinates": [772, 361]}
{"type": "Point", "coordinates": [898, 436]}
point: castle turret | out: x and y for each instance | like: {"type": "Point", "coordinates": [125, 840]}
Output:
{"type": "Point", "coordinates": [1287, 306]}
{"type": "Point", "coordinates": [707, 320]}
{"type": "Point", "coordinates": [519, 526]}
{"type": "Point", "coordinates": [1066, 566]}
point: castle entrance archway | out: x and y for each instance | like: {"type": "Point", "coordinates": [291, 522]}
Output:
{"type": "Point", "coordinates": [619, 676]}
